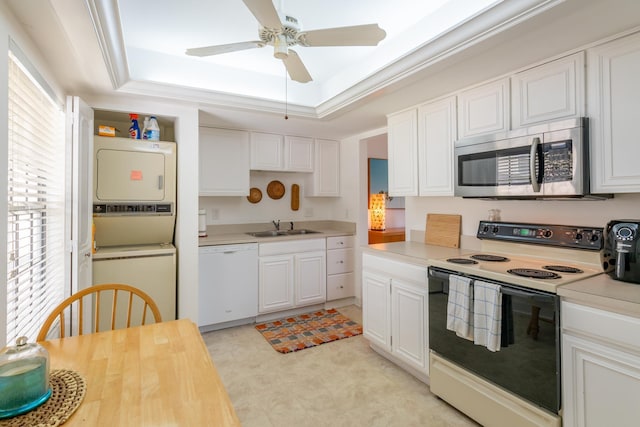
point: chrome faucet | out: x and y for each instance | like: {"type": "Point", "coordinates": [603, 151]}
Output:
{"type": "Point", "coordinates": [276, 224]}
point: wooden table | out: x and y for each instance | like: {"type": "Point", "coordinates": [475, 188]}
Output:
{"type": "Point", "coordinates": [155, 375]}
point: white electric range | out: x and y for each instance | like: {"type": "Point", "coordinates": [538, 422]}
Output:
{"type": "Point", "coordinates": [520, 382]}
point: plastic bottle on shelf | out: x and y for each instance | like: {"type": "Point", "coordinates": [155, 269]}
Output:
{"type": "Point", "coordinates": [145, 128]}
{"type": "Point", "coordinates": [153, 130]}
{"type": "Point", "coordinates": [134, 129]}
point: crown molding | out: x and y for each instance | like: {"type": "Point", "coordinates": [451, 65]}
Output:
{"type": "Point", "coordinates": [473, 31]}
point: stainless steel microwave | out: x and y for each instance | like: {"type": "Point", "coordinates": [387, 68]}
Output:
{"type": "Point", "coordinates": [543, 161]}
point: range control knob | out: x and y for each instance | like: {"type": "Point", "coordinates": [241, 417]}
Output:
{"type": "Point", "coordinates": [495, 229]}
{"type": "Point", "coordinates": [547, 233]}
{"type": "Point", "coordinates": [595, 237]}
{"type": "Point", "coordinates": [578, 236]}
{"type": "Point", "coordinates": [485, 229]}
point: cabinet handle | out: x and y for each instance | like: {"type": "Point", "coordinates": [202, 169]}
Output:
{"type": "Point", "coordinates": [340, 262]}
{"type": "Point", "coordinates": [341, 287]}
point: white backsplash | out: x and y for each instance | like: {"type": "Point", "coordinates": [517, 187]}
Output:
{"type": "Point", "coordinates": [581, 212]}
{"type": "Point", "coordinates": [237, 210]}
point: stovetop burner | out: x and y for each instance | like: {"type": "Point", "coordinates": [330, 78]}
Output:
{"type": "Point", "coordinates": [534, 273]}
{"type": "Point", "coordinates": [492, 258]}
{"type": "Point", "coordinates": [563, 269]}
{"type": "Point", "coordinates": [461, 261]}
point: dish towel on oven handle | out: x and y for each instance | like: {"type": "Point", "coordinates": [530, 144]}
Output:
{"type": "Point", "coordinates": [459, 306]}
{"type": "Point", "coordinates": [487, 315]}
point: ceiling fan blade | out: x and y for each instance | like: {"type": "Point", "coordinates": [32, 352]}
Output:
{"type": "Point", "coordinates": [296, 69]}
{"type": "Point", "coordinates": [223, 48]}
{"type": "Point", "coordinates": [357, 35]}
{"type": "Point", "coordinates": [264, 12]}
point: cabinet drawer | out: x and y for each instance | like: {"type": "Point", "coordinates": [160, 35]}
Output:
{"type": "Point", "coordinates": [340, 286]}
{"type": "Point", "coordinates": [339, 261]}
{"type": "Point", "coordinates": [612, 327]}
{"type": "Point", "coordinates": [340, 242]}
{"type": "Point", "coordinates": [399, 270]}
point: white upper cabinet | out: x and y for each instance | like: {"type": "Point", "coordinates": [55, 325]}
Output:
{"type": "Point", "coordinates": [271, 152]}
{"type": "Point", "coordinates": [551, 91]}
{"type": "Point", "coordinates": [402, 147]}
{"type": "Point", "coordinates": [267, 151]}
{"type": "Point", "coordinates": [298, 154]}
{"type": "Point", "coordinates": [223, 162]}
{"type": "Point", "coordinates": [613, 105]}
{"type": "Point", "coordinates": [484, 109]}
{"type": "Point", "coordinates": [436, 136]}
{"type": "Point", "coordinates": [325, 179]}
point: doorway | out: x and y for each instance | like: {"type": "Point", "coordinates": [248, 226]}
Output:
{"type": "Point", "coordinates": [386, 213]}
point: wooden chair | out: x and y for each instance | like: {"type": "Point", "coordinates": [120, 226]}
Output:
{"type": "Point", "coordinates": [120, 294]}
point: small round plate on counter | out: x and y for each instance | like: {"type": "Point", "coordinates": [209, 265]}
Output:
{"type": "Point", "coordinates": [255, 195]}
{"type": "Point", "coordinates": [275, 189]}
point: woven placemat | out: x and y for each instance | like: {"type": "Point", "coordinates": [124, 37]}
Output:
{"type": "Point", "coordinates": [67, 391]}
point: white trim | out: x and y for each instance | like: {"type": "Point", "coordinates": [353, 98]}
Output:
{"type": "Point", "coordinates": [476, 29]}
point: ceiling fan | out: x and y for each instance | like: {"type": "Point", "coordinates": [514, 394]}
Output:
{"type": "Point", "coordinates": [283, 34]}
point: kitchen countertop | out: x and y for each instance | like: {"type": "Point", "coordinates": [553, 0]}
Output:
{"type": "Point", "coordinates": [606, 293]}
{"type": "Point", "coordinates": [600, 291]}
{"type": "Point", "coordinates": [235, 234]}
{"type": "Point", "coordinates": [412, 252]}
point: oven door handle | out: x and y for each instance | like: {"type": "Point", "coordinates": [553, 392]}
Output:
{"type": "Point", "coordinates": [519, 293]}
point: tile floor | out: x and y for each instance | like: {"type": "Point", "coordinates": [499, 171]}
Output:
{"type": "Point", "coordinates": [342, 383]}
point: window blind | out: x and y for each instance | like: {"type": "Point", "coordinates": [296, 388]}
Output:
{"type": "Point", "coordinates": [36, 204]}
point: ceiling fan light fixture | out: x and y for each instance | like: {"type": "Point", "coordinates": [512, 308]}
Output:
{"type": "Point", "coordinates": [280, 47]}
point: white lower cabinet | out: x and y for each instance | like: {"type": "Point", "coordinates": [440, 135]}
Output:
{"type": "Point", "coordinates": [291, 274]}
{"type": "Point", "coordinates": [600, 367]}
{"type": "Point", "coordinates": [395, 310]}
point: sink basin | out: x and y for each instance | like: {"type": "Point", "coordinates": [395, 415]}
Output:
{"type": "Point", "coordinates": [270, 233]}
{"type": "Point", "coordinates": [274, 233]}
{"type": "Point", "coordinates": [300, 231]}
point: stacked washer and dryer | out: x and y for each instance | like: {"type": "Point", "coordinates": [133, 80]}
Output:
{"type": "Point", "coordinates": [134, 212]}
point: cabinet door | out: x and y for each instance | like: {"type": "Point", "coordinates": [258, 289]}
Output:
{"type": "Point", "coordinates": [310, 278]}
{"type": "Point", "coordinates": [436, 136]}
{"type": "Point", "coordinates": [275, 283]}
{"type": "Point", "coordinates": [410, 324]}
{"type": "Point", "coordinates": [298, 154]}
{"type": "Point", "coordinates": [223, 162]}
{"type": "Point", "coordinates": [484, 109]}
{"type": "Point", "coordinates": [601, 384]}
{"type": "Point", "coordinates": [402, 148]}
{"type": "Point", "coordinates": [325, 180]}
{"type": "Point", "coordinates": [267, 151]}
{"type": "Point", "coordinates": [549, 92]}
{"type": "Point", "coordinates": [376, 309]}
{"type": "Point", "coordinates": [613, 92]}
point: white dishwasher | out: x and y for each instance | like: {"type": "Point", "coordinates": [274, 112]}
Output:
{"type": "Point", "coordinates": [228, 285]}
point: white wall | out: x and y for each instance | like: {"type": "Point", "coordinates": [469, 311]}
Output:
{"type": "Point", "coordinates": [237, 210]}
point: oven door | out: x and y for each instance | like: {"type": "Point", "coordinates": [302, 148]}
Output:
{"type": "Point", "coordinates": [528, 363]}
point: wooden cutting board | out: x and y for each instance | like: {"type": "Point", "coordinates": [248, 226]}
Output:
{"type": "Point", "coordinates": [443, 230]}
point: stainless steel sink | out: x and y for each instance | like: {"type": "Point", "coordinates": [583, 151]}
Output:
{"type": "Point", "coordinates": [274, 233]}
{"type": "Point", "coordinates": [300, 231]}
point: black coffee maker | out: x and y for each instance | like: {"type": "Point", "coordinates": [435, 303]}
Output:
{"type": "Point", "coordinates": [621, 254]}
